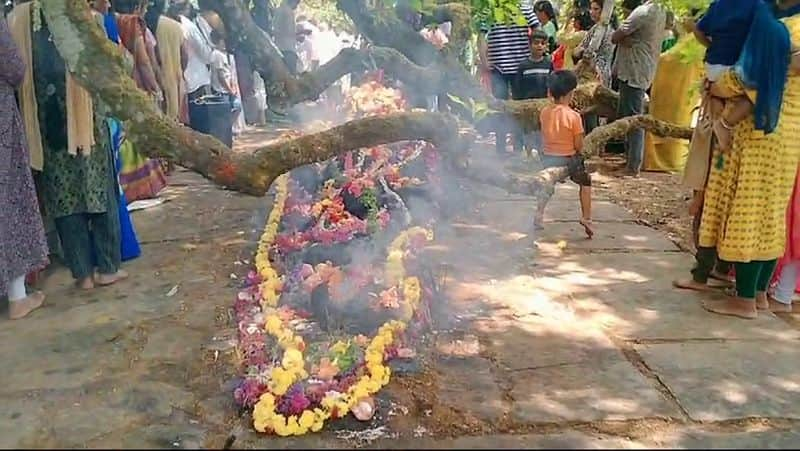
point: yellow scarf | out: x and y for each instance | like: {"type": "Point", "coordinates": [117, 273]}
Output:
{"type": "Point", "coordinates": [80, 111]}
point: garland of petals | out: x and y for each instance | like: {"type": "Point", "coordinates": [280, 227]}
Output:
{"type": "Point", "coordinates": [271, 282]}
{"type": "Point", "coordinates": [334, 404]}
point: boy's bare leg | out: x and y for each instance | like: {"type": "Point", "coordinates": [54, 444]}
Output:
{"type": "Point", "coordinates": [586, 210]}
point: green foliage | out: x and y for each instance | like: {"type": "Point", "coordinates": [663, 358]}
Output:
{"type": "Point", "coordinates": [346, 358]}
{"type": "Point", "coordinates": [479, 110]}
{"type": "Point", "coordinates": [324, 11]}
{"type": "Point", "coordinates": [681, 8]}
{"type": "Point", "coordinates": [486, 13]}
{"type": "Point", "coordinates": [370, 202]}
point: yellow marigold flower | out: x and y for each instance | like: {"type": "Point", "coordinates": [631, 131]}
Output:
{"type": "Point", "coordinates": [377, 371]}
{"type": "Point", "coordinates": [373, 386]}
{"type": "Point", "coordinates": [307, 419]}
{"type": "Point", "coordinates": [340, 347]}
{"type": "Point", "coordinates": [328, 402]}
{"type": "Point", "coordinates": [317, 426]}
{"type": "Point", "coordinates": [292, 426]}
{"type": "Point", "coordinates": [273, 324]}
{"type": "Point", "coordinates": [279, 426]}
{"type": "Point", "coordinates": [412, 292]}
{"type": "Point", "coordinates": [292, 358]}
{"type": "Point", "coordinates": [267, 400]}
{"type": "Point", "coordinates": [359, 391]}
{"type": "Point", "coordinates": [343, 407]}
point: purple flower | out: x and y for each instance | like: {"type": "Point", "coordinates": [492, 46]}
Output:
{"type": "Point", "coordinates": [294, 402]}
{"type": "Point", "coordinates": [248, 392]}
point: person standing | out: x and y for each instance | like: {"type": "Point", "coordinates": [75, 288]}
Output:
{"type": "Point", "coordinates": [503, 48]}
{"type": "Point", "coordinates": [23, 246]}
{"type": "Point", "coordinates": [750, 186]}
{"type": "Point", "coordinates": [171, 54]}
{"type": "Point", "coordinates": [602, 57]}
{"type": "Point", "coordinates": [638, 41]}
{"type": "Point", "coordinates": [286, 33]}
{"type": "Point", "coordinates": [198, 58]}
{"type": "Point", "coordinates": [80, 190]}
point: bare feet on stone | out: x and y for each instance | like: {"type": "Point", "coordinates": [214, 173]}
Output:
{"type": "Point", "coordinates": [21, 309]}
{"type": "Point", "coordinates": [691, 284]}
{"type": "Point", "coordinates": [761, 301]}
{"type": "Point", "coordinates": [587, 227]}
{"type": "Point", "coordinates": [732, 306]}
{"type": "Point", "coordinates": [85, 284]}
{"type": "Point", "coordinates": [778, 307]}
{"type": "Point", "coordinates": [716, 275]}
{"type": "Point", "coordinates": [110, 279]}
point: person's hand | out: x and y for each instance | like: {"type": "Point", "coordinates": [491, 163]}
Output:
{"type": "Point", "coordinates": [795, 63]}
{"type": "Point", "coordinates": [696, 203]}
{"type": "Point", "coordinates": [689, 24]}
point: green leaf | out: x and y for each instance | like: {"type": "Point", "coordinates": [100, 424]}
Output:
{"type": "Point", "coordinates": [458, 101]}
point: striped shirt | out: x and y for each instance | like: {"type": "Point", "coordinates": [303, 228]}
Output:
{"type": "Point", "coordinates": [508, 45]}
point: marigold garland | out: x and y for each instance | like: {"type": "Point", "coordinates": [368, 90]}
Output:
{"type": "Point", "coordinates": [281, 378]}
{"type": "Point", "coordinates": [271, 282]}
{"type": "Point", "coordinates": [334, 404]}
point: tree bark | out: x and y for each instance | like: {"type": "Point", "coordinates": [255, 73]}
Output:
{"type": "Point", "coordinates": [596, 140]}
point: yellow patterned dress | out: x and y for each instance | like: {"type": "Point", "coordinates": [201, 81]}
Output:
{"type": "Point", "coordinates": [744, 215]}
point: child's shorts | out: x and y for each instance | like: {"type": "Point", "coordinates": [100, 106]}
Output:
{"type": "Point", "coordinates": [575, 166]}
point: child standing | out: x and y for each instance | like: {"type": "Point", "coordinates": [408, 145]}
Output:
{"type": "Point", "coordinates": [531, 80]}
{"type": "Point", "coordinates": [723, 29]}
{"type": "Point", "coordinates": [562, 136]}
{"type": "Point", "coordinates": [223, 79]}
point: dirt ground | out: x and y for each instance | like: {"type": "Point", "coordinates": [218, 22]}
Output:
{"type": "Point", "coordinates": [656, 199]}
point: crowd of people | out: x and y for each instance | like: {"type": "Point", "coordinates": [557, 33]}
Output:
{"type": "Point", "coordinates": [68, 174]}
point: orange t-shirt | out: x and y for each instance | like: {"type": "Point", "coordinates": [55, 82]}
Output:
{"type": "Point", "coordinates": [559, 125]}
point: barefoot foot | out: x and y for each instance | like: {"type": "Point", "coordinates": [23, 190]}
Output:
{"type": "Point", "coordinates": [761, 301]}
{"type": "Point", "coordinates": [587, 227]}
{"type": "Point", "coordinates": [110, 279]}
{"type": "Point", "coordinates": [691, 284]}
{"type": "Point", "coordinates": [738, 307]}
{"type": "Point", "coordinates": [85, 284]}
{"type": "Point", "coordinates": [21, 309]}
{"type": "Point", "coordinates": [778, 307]}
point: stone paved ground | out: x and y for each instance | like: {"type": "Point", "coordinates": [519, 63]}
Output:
{"type": "Point", "coordinates": [548, 341]}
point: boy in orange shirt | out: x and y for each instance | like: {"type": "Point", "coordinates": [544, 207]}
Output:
{"type": "Point", "coordinates": [562, 139]}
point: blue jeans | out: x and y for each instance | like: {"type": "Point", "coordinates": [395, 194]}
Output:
{"type": "Point", "coordinates": [631, 103]}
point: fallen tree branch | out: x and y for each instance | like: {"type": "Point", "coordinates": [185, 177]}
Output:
{"type": "Point", "coordinates": [544, 182]}
{"type": "Point", "coordinates": [99, 67]}
{"type": "Point", "coordinates": [595, 141]}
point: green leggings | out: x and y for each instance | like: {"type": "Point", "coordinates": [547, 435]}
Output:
{"type": "Point", "coordinates": [753, 277]}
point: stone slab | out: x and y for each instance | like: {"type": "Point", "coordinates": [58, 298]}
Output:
{"type": "Point", "coordinates": [723, 381]}
{"type": "Point", "coordinates": [608, 389]}
{"type": "Point", "coordinates": [541, 342]}
{"type": "Point", "coordinates": [471, 388]}
{"type": "Point", "coordinates": [562, 440]}
{"type": "Point", "coordinates": [616, 236]}
{"type": "Point", "coordinates": [609, 269]}
{"type": "Point", "coordinates": [569, 209]}
{"type": "Point", "coordinates": [645, 313]}
{"type": "Point", "coordinates": [696, 438]}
